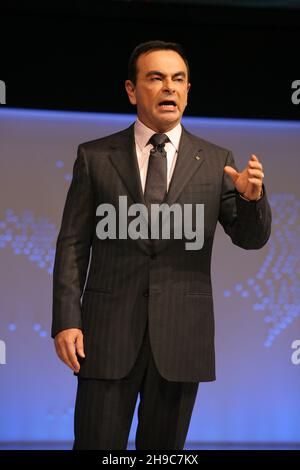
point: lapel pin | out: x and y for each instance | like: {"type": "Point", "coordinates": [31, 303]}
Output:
{"type": "Point", "coordinates": [197, 157]}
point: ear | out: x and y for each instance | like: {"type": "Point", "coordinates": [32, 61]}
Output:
{"type": "Point", "coordinates": [187, 93]}
{"type": "Point", "coordinates": [130, 88]}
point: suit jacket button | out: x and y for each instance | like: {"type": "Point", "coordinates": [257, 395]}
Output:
{"type": "Point", "coordinates": [146, 293]}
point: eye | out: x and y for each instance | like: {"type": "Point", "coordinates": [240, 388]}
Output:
{"type": "Point", "coordinates": [155, 78]}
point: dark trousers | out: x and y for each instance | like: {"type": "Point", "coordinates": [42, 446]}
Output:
{"type": "Point", "coordinates": [104, 408]}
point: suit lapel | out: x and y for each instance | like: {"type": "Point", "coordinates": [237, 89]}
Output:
{"type": "Point", "coordinates": [124, 159]}
{"type": "Point", "coordinates": [190, 158]}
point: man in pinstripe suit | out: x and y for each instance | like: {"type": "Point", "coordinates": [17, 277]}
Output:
{"type": "Point", "coordinates": [135, 316]}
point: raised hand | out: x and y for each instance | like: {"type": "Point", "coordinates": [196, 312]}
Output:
{"type": "Point", "coordinates": [249, 182]}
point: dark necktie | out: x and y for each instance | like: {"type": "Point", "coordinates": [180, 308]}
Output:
{"type": "Point", "coordinates": [156, 181]}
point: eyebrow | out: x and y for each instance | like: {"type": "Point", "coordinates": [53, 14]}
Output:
{"type": "Point", "coordinates": [157, 72]}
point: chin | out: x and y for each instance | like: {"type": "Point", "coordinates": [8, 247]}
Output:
{"type": "Point", "coordinates": [168, 122]}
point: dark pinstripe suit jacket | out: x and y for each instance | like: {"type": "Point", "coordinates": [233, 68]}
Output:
{"type": "Point", "coordinates": [130, 281]}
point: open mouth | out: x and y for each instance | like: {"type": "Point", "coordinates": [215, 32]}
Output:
{"type": "Point", "coordinates": [167, 105]}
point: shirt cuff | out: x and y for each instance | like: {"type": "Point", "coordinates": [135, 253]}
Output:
{"type": "Point", "coordinates": [254, 200]}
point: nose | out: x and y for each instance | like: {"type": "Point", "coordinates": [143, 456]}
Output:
{"type": "Point", "coordinates": [168, 86]}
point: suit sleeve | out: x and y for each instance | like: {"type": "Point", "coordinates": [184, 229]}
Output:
{"type": "Point", "coordinates": [248, 223]}
{"type": "Point", "coordinates": [73, 249]}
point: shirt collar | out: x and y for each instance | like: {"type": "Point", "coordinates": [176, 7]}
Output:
{"type": "Point", "coordinates": [142, 134]}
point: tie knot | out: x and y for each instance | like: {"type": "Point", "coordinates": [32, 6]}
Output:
{"type": "Point", "coordinates": [159, 140]}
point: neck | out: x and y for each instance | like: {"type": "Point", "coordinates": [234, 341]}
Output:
{"type": "Point", "coordinates": [159, 130]}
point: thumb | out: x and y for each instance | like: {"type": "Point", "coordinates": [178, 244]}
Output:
{"type": "Point", "coordinates": [79, 346]}
{"type": "Point", "coordinates": [231, 172]}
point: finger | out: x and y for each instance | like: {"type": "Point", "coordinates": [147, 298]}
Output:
{"type": "Point", "coordinates": [231, 172]}
{"type": "Point", "coordinates": [254, 158]}
{"type": "Point", "coordinates": [256, 173]}
{"type": "Point", "coordinates": [255, 181]}
{"type": "Point", "coordinates": [63, 355]}
{"type": "Point", "coordinates": [59, 349]}
{"type": "Point", "coordinates": [79, 346]}
{"type": "Point", "coordinates": [64, 350]}
{"type": "Point", "coordinates": [71, 354]}
{"type": "Point", "coordinates": [254, 164]}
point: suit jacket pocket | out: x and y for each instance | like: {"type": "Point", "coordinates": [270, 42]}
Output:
{"type": "Point", "coordinates": [200, 294]}
{"type": "Point", "coordinates": [97, 301]}
{"type": "Point", "coordinates": [97, 291]}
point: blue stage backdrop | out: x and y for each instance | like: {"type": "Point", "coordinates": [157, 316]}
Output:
{"type": "Point", "coordinates": [256, 293]}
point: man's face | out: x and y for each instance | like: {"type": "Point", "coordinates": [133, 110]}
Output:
{"type": "Point", "coordinates": [161, 89]}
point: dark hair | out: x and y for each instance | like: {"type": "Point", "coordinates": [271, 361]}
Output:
{"type": "Point", "coordinates": [153, 46]}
